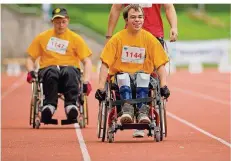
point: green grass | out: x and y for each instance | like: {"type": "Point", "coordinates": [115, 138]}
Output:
{"type": "Point", "coordinates": [204, 65]}
{"type": "Point", "coordinates": [95, 16]}
{"type": "Point", "coordinates": [188, 29]}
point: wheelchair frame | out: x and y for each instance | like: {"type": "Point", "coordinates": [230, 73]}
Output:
{"type": "Point", "coordinates": [37, 103]}
{"type": "Point", "coordinates": [107, 124]}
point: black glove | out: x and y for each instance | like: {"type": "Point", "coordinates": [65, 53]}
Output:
{"type": "Point", "coordinates": [100, 95]}
{"type": "Point", "coordinates": [164, 91]}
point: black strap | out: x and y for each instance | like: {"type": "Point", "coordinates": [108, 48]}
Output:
{"type": "Point", "coordinates": [132, 101]}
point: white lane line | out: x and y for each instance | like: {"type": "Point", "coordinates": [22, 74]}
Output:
{"type": "Point", "coordinates": [14, 86]}
{"type": "Point", "coordinates": [199, 129]}
{"type": "Point", "coordinates": [200, 95]}
{"type": "Point", "coordinates": [83, 147]}
{"type": "Point", "coordinates": [212, 85]}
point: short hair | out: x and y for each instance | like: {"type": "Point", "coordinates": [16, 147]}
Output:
{"type": "Point", "coordinates": [136, 7]}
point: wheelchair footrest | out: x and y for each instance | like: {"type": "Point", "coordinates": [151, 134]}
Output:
{"type": "Point", "coordinates": [52, 121]}
{"type": "Point", "coordinates": [134, 126]}
{"type": "Point", "coordinates": [67, 122]}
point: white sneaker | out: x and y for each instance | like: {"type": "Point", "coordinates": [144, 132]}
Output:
{"type": "Point", "coordinates": [126, 118]}
{"type": "Point", "coordinates": [143, 119]}
{"type": "Point", "coordinates": [138, 134]}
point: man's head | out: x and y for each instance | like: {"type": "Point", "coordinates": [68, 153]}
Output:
{"type": "Point", "coordinates": [60, 20]}
{"type": "Point", "coordinates": [134, 17]}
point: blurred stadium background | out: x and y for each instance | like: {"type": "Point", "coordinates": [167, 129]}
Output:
{"type": "Point", "coordinates": [204, 33]}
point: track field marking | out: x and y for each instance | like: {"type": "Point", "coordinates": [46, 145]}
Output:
{"type": "Point", "coordinates": [200, 95]}
{"type": "Point", "coordinates": [14, 86]}
{"type": "Point", "coordinates": [83, 147]}
{"type": "Point", "coordinates": [198, 129]}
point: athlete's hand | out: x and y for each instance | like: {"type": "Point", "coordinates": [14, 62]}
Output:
{"type": "Point", "coordinates": [164, 91]}
{"type": "Point", "coordinates": [30, 76]}
{"type": "Point", "coordinates": [87, 88]}
{"type": "Point", "coordinates": [100, 95]}
{"type": "Point", "coordinates": [107, 39]}
{"type": "Point", "coordinates": [173, 34]}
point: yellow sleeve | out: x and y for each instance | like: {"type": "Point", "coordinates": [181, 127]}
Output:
{"type": "Point", "coordinates": [82, 49]}
{"type": "Point", "coordinates": [35, 50]}
{"type": "Point", "coordinates": [160, 57]}
{"type": "Point", "coordinates": [109, 52]}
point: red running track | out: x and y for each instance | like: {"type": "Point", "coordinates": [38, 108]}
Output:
{"type": "Point", "coordinates": [200, 99]}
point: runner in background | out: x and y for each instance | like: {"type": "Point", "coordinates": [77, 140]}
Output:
{"type": "Point", "coordinates": [152, 20]}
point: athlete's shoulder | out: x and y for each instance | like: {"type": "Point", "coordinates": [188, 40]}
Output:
{"type": "Point", "coordinates": [45, 33]}
{"type": "Point", "coordinates": [119, 35]}
{"type": "Point", "coordinates": [70, 32]}
{"type": "Point", "coordinates": [74, 35]}
{"type": "Point", "coordinates": [148, 36]}
{"type": "Point", "coordinates": [146, 33]}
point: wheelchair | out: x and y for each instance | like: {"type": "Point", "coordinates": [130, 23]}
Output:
{"type": "Point", "coordinates": [36, 105]}
{"type": "Point", "coordinates": [108, 113]}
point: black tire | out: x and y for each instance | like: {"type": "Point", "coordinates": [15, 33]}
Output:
{"type": "Point", "coordinates": [99, 123]}
{"type": "Point", "coordinates": [85, 105]}
{"type": "Point", "coordinates": [161, 121]}
{"type": "Point", "coordinates": [104, 121]}
{"type": "Point", "coordinates": [31, 110]}
{"type": "Point", "coordinates": [165, 119]}
{"type": "Point", "coordinates": [34, 103]}
{"type": "Point", "coordinates": [82, 117]}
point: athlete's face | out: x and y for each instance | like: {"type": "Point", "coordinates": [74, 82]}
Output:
{"type": "Point", "coordinates": [60, 24]}
{"type": "Point", "coordinates": [135, 20]}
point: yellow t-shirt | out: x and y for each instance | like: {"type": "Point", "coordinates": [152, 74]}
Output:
{"type": "Point", "coordinates": [65, 49]}
{"type": "Point", "coordinates": [128, 53]}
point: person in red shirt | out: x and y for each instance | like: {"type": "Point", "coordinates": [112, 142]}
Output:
{"type": "Point", "coordinates": [152, 21]}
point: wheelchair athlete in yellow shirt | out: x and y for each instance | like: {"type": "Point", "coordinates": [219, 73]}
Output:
{"type": "Point", "coordinates": [60, 51]}
{"type": "Point", "coordinates": [128, 52]}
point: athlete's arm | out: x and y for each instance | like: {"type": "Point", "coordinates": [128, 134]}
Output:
{"type": "Point", "coordinates": [87, 64]}
{"type": "Point", "coordinates": [172, 19]}
{"type": "Point", "coordinates": [161, 71]}
{"type": "Point", "coordinates": [103, 76]}
{"type": "Point", "coordinates": [113, 18]}
{"type": "Point", "coordinates": [30, 64]}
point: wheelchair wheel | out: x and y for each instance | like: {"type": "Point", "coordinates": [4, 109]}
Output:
{"type": "Point", "coordinates": [99, 123]}
{"type": "Point", "coordinates": [85, 106]}
{"type": "Point", "coordinates": [31, 108]}
{"type": "Point", "coordinates": [81, 118]}
{"type": "Point", "coordinates": [34, 107]}
{"type": "Point", "coordinates": [104, 112]}
{"type": "Point", "coordinates": [165, 118]}
{"type": "Point", "coordinates": [163, 123]}
{"type": "Point", "coordinates": [102, 121]}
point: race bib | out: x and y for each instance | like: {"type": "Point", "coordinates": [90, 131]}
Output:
{"type": "Point", "coordinates": [57, 45]}
{"type": "Point", "coordinates": [146, 5]}
{"type": "Point", "coordinates": [133, 55]}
